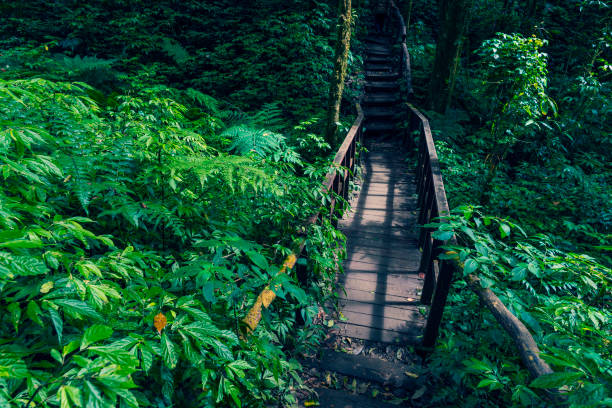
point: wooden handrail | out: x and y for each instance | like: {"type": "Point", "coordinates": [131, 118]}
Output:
{"type": "Point", "coordinates": [337, 181]}
{"type": "Point", "coordinates": [438, 274]}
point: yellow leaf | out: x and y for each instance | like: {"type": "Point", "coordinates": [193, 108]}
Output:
{"type": "Point", "coordinates": [46, 287]}
{"type": "Point", "coordinates": [311, 404]}
{"type": "Point", "coordinates": [409, 374]}
{"type": "Point", "coordinates": [160, 321]}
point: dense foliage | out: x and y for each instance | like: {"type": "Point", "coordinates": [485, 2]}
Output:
{"type": "Point", "coordinates": [112, 215]}
{"type": "Point", "coordinates": [141, 216]}
{"type": "Point", "coordinates": [525, 151]}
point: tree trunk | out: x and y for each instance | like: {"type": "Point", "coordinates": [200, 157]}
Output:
{"type": "Point", "coordinates": [407, 12]}
{"type": "Point", "coordinates": [343, 44]}
{"type": "Point", "coordinates": [453, 16]}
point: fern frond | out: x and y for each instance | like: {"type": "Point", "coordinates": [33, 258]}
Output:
{"type": "Point", "coordinates": [269, 117]}
{"type": "Point", "coordinates": [206, 101]}
{"type": "Point", "coordinates": [247, 139]}
{"type": "Point", "coordinates": [236, 172]}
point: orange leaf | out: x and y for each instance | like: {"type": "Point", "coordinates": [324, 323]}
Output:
{"type": "Point", "coordinates": [160, 322]}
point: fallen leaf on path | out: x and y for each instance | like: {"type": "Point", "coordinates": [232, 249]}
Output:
{"type": "Point", "coordinates": [357, 349]}
{"type": "Point", "coordinates": [419, 393]}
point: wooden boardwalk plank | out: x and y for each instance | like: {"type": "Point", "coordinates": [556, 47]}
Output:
{"type": "Point", "coordinates": [378, 239]}
{"type": "Point", "coordinates": [401, 313]}
{"type": "Point", "coordinates": [384, 336]}
{"type": "Point", "coordinates": [379, 292]}
{"type": "Point", "coordinates": [365, 296]}
{"type": "Point", "coordinates": [408, 267]}
{"type": "Point", "coordinates": [394, 284]}
{"type": "Point", "coordinates": [405, 261]}
{"type": "Point", "coordinates": [411, 326]}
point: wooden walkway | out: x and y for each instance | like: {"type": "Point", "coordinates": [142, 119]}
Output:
{"type": "Point", "coordinates": [380, 289]}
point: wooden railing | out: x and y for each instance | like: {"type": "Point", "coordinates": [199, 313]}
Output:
{"type": "Point", "coordinates": [336, 184]}
{"type": "Point", "coordinates": [433, 204]}
{"type": "Point", "coordinates": [339, 178]}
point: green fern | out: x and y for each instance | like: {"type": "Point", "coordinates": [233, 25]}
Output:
{"type": "Point", "coordinates": [236, 172]}
{"type": "Point", "coordinates": [174, 50]}
{"type": "Point", "coordinates": [247, 139]}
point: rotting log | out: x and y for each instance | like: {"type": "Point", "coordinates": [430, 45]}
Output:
{"type": "Point", "coordinates": [526, 345]}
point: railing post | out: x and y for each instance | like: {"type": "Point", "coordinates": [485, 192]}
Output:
{"type": "Point", "coordinates": [432, 327]}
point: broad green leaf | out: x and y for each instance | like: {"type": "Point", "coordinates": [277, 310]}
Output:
{"type": "Point", "coordinates": [12, 367]}
{"type": "Point", "coordinates": [258, 259]}
{"type": "Point", "coordinates": [33, 311]}
{"type": "Point", "coordinates": [169, 353]}
{"type": "Point", "coordinates": [555, 380]}
{"type": "Point", "coordinates": [443, 235]}
{"type": "Point", "coordinates": [519, 273]}
{"type": "Point", "coordinates": [62, 395]}
{"type": "Point", "coordinates": [504, 230]}
{"type": "Point", "coordinates": [58, 324]}
{"type": "Point", "coordinates": [94, 334]}
{"type": "Point", "coordinates": [78, 307]}
{"type": "Point", "coordinates": [74, 394]}
{"type": "Point", "coordinates": [57, 356]}
{"type": "Point", "coordinates": [470, 266]}
{"type": "Point", "coordinates": [70, 347]}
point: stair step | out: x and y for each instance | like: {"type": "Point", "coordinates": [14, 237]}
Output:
{"type": "Point", "coordinates": [387, 76]}
{"type": "Point", "coordinates": [329, 398]}
{"type": "Point", "coordinates": [381, 99]}
{"type": "Point", "coordinates": [379, 49]}
{"type": "Point", "coordinates": [369, 368]}
{"type": "Point", "coordinates": [381, 86]}
{"type": "Point", "coordinates": [379, 67]}
{"type": "Point", "coordinates": [381, 40]}
{"type": "Point", "coordinates": [380, 59]}
{"type": "Point", "coordinates": [379, 54]}
{"type": "Point", "coordinates": [380, 127]}
{"type": "Point", "coordinates": [379, 112]}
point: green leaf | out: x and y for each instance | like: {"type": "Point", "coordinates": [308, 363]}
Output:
{"type": "Point", "coordinates": [488, 382]}
{"type": "Point", "coordinates": [94, 334]}
{"type": "Point", "coordinates": [240, 364]}
{"type": "Point", "coordinates": [555, 380]}
{"type": "Point", "coordinates": [78, 307]}
{"type": "Point", "coordinates": [15, 311]}
{"type": "Point", "coordinates": [469, 232]}
{"type": "Point", "coordinates": [58, 324]}
{"type": "Point", "coordinates": [443, 235]}
{"type": "Point", "coordinates": [169, 353]}
{"type": "Point", "coordinates": [33, 311]}
{"type": "Point", "coordinates": [57, 356]}
{"type": "Point", "coordinates": [62, 395]}
{"type": "Point", "coordinates": [74, 394]}
{"type": "Point", "coordinates": [470, 266]}
{"type": "Point", "coordinates": [258, 259]}
{"type": "Point", "coordinates": [486, 282]}
{"type": "Point", "coordinates": [519, 273]}
{"type": "Point", "coordinates": [533, 268]}
{"type": "Point", "coordinates": [70, 347]}
{"type": "Point", "coordinates": [12, 367]}
{"type": "Point", "coordinates": [504, 230]}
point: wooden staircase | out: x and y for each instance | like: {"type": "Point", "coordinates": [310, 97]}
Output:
{"type": "Point", "coordinates": [380, 289]}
